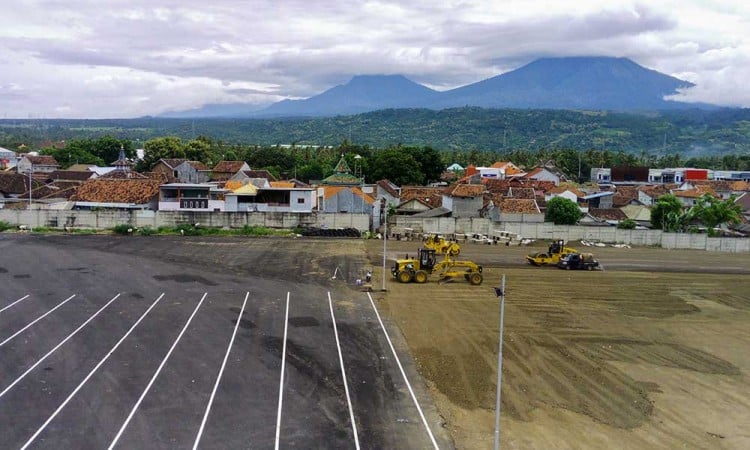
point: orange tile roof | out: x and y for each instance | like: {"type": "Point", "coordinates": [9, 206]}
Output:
{"type": "Point", "coordinates": [229, 166]}
{"type": "Point", "coordinates": [519, 206]}
{"type": "Point", "coordinates": [465, 190]}
{"type": "Point", "coordinates": [429, 195]}
{"type": "Point", "coordinates": [281, 184]}
{"type": "Point", "coordinates": [114, 190]}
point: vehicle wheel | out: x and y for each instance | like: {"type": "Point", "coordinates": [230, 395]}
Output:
{"type": "Point", "coordinates": [404, 276]}
{"type": "Point", "coordinates": [420, 276]}
{"type": "Point", "coordinates": [475, 278]}
{"type": "Point", "coordinates": [567, 267]}
{"type": "Point", "coordinates": [590, 267]}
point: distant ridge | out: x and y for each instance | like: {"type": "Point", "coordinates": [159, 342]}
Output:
{"type": "Point", "coordinates": [362, 93]}
{"type": "Point", "coordinates": [575, 83]}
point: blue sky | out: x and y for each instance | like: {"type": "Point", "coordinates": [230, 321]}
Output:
{"type": "Point", "coordinates": [128, 58]}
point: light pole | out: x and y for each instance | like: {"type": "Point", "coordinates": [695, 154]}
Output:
{"type": "Point", "coordinates": [385, 237]}
{"type": "Point", "coordinates": [500, 292]}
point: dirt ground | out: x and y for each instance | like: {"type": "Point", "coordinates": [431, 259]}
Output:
{"type": "Point", "coordinates": [649, 353]}
{"type": "Point", "coordinates": [652, 352]}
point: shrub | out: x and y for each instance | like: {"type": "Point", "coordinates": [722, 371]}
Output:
{"type": "Point", "coordinates": [146, 231]}
{"type": "Point", "coordinates": [627, 224]}
{"type": "Point", "coordinates": [4, 226]}
{"type": "Point", "coordinates": [123, 228]}
{"type": "Point", "coordinates": [255, 230]}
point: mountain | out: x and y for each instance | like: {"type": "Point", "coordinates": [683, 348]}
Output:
{"type": "Point", "coordinates": [599, 83]}
{"type": "Point", "coordinates": [589, 83]}
{"type": "Point", "coordinates": [215, 110]}
{"type": "Point", "coordinates": [361, 94]}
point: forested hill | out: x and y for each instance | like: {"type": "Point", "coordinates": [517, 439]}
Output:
{"type": "Point", "coordinates": [689, 132]}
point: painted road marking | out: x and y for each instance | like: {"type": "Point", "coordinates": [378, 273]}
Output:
{"type": "Point", "coordinates": [156, 374]}
{"type": "Point", "coordinates": [37, 320]}
{"type": "Point", "coordinates": [58, 345]}
{"type": "Point", "coordinates": [343, 373]}
{"type": "Point", "coordinates": [93, 371]}
{"type": "Point", "coordinates": [221, 371]}
{"type": "Point", "coordinates": [17, 301]}
{"type": "Point", "coordinates": [283, 364]}
{"type": "Point", "coordinates": [403, 373]}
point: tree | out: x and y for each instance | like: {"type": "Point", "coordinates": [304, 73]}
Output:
{"type": "Point", "coordinates": [158, 148]}
{"type": "Point", "coordinates": [397, 166]}
{"type": "Point", "coordinates": [429, 161]}
{"type": "Point", "coordinates": [562, 211]}
{"type": "Point", "coordinates": [76, 152]}
{"type": "Point", "coordinates": [108, 148]}
{"type": "Point", "coordinates": [666, 214]}
{"type": "Point", "coordinates": [713, 212]}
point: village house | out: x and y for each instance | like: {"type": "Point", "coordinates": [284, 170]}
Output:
{"type": "Point", "coordinates": [191, 197]}
{"type": "Point", "coordinates": [118, 193]}
{"type": "Point", "coordinates": [225, 170]}
{"type": "Point", "coordinates": [464, 200]}
{"type": "Point", "coordinates": [37, 164]}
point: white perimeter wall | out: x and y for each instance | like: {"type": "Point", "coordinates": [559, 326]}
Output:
{"type": "Point", "coordinates": [155, 219]}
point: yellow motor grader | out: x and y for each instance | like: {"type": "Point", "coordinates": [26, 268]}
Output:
{"type": "Point", "coordinates": [419, 269]}
{"type": "Point", "coordinates": [441, 245]}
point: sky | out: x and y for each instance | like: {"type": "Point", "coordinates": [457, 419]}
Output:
{"type": "Point", "coordinates": [130, 58]}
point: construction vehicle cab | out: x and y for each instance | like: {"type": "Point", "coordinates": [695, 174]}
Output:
{"type": "Point", "coordinates": [441, 245]}
{"type": "Point", "coordinates": [425, 264]}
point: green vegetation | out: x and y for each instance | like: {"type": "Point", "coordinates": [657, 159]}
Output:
{"type": "Point", "coordinates": [408, 146]}
{"type": "Point", "coordinates": [562, 211]}
{"type": "Point", "coordinates": [5, 226]}
{"type": "Point", "coordinates": [627, 224]}
{"type": "Point", "coordinates": [666, 213]}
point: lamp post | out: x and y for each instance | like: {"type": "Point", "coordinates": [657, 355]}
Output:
{"type": "Point", "coordinates": [500, 292]}
{"type": "Point", "coordinates": [385, 238]}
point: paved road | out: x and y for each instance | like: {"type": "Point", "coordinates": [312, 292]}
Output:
{"type": "Point", "coordinates": [101, 347]}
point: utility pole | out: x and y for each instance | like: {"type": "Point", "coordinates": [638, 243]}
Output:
{"type": "Point", "coordinates": [385, 237]}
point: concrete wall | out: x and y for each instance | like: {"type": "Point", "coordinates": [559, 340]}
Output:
{"type": "Point", "coordinates": [550, 231]}
{"type": "Point", "coordinates": [155, 219]}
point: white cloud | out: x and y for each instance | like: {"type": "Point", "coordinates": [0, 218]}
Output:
{"type": "Point", "coordinates": [124, 58]}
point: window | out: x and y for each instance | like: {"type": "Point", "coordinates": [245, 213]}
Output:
{"type": "Point", "coordinates": [300, 201]}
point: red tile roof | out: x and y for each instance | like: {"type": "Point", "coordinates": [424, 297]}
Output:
{"type": "Point", "coordinates": [431, 196]}
{"type": "Point", "coordinates": [105, 190]}
{"type": "Point", "coordinates": [519, 206]}
{"type": "Point", "coordinates": [42, 160]}
{"type": "Point", "coordinates": [607, 213]}
{"type": "Point", "coordinates": [16, 183]}
{"type": "Point", "coordinates": [465, 190]}
{"type": "Point", "coordinates": [229, 166]}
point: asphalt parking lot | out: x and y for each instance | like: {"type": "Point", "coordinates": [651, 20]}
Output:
{"type": "Point", "coordinates": [107, 349]}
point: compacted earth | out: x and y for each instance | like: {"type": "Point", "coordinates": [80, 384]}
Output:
{"type": "Point", "coordinates": [650, 352]}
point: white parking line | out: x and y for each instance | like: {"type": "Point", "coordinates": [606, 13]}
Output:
{"type": "Point", "coordinates": [156, 374]}
{"type": "Point", "coordinates": [17, 301]}
{"type": "Point", "coordinates": [281, 383]}
{"type": "Point", "coordinates": [58, 345]}
{"type": "Point", "coordinates": [221, 371]}
{"type": "Point", "coordinates": [343, 374]}
{"type": "Point", "coordinates": [93, 371]}
{"type": "Point", "coordinates": [36, 320]}
{"type": "Point", "coordinates": [403, 374]}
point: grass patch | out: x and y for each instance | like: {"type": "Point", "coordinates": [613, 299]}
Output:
{"type": "Point", "coordinates": [5, 226]}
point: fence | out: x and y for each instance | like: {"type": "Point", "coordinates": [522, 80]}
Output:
{"type": "Point", "coordinates": [144, 218]}
{"type": "Point", "coordinates": [550, 231]}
